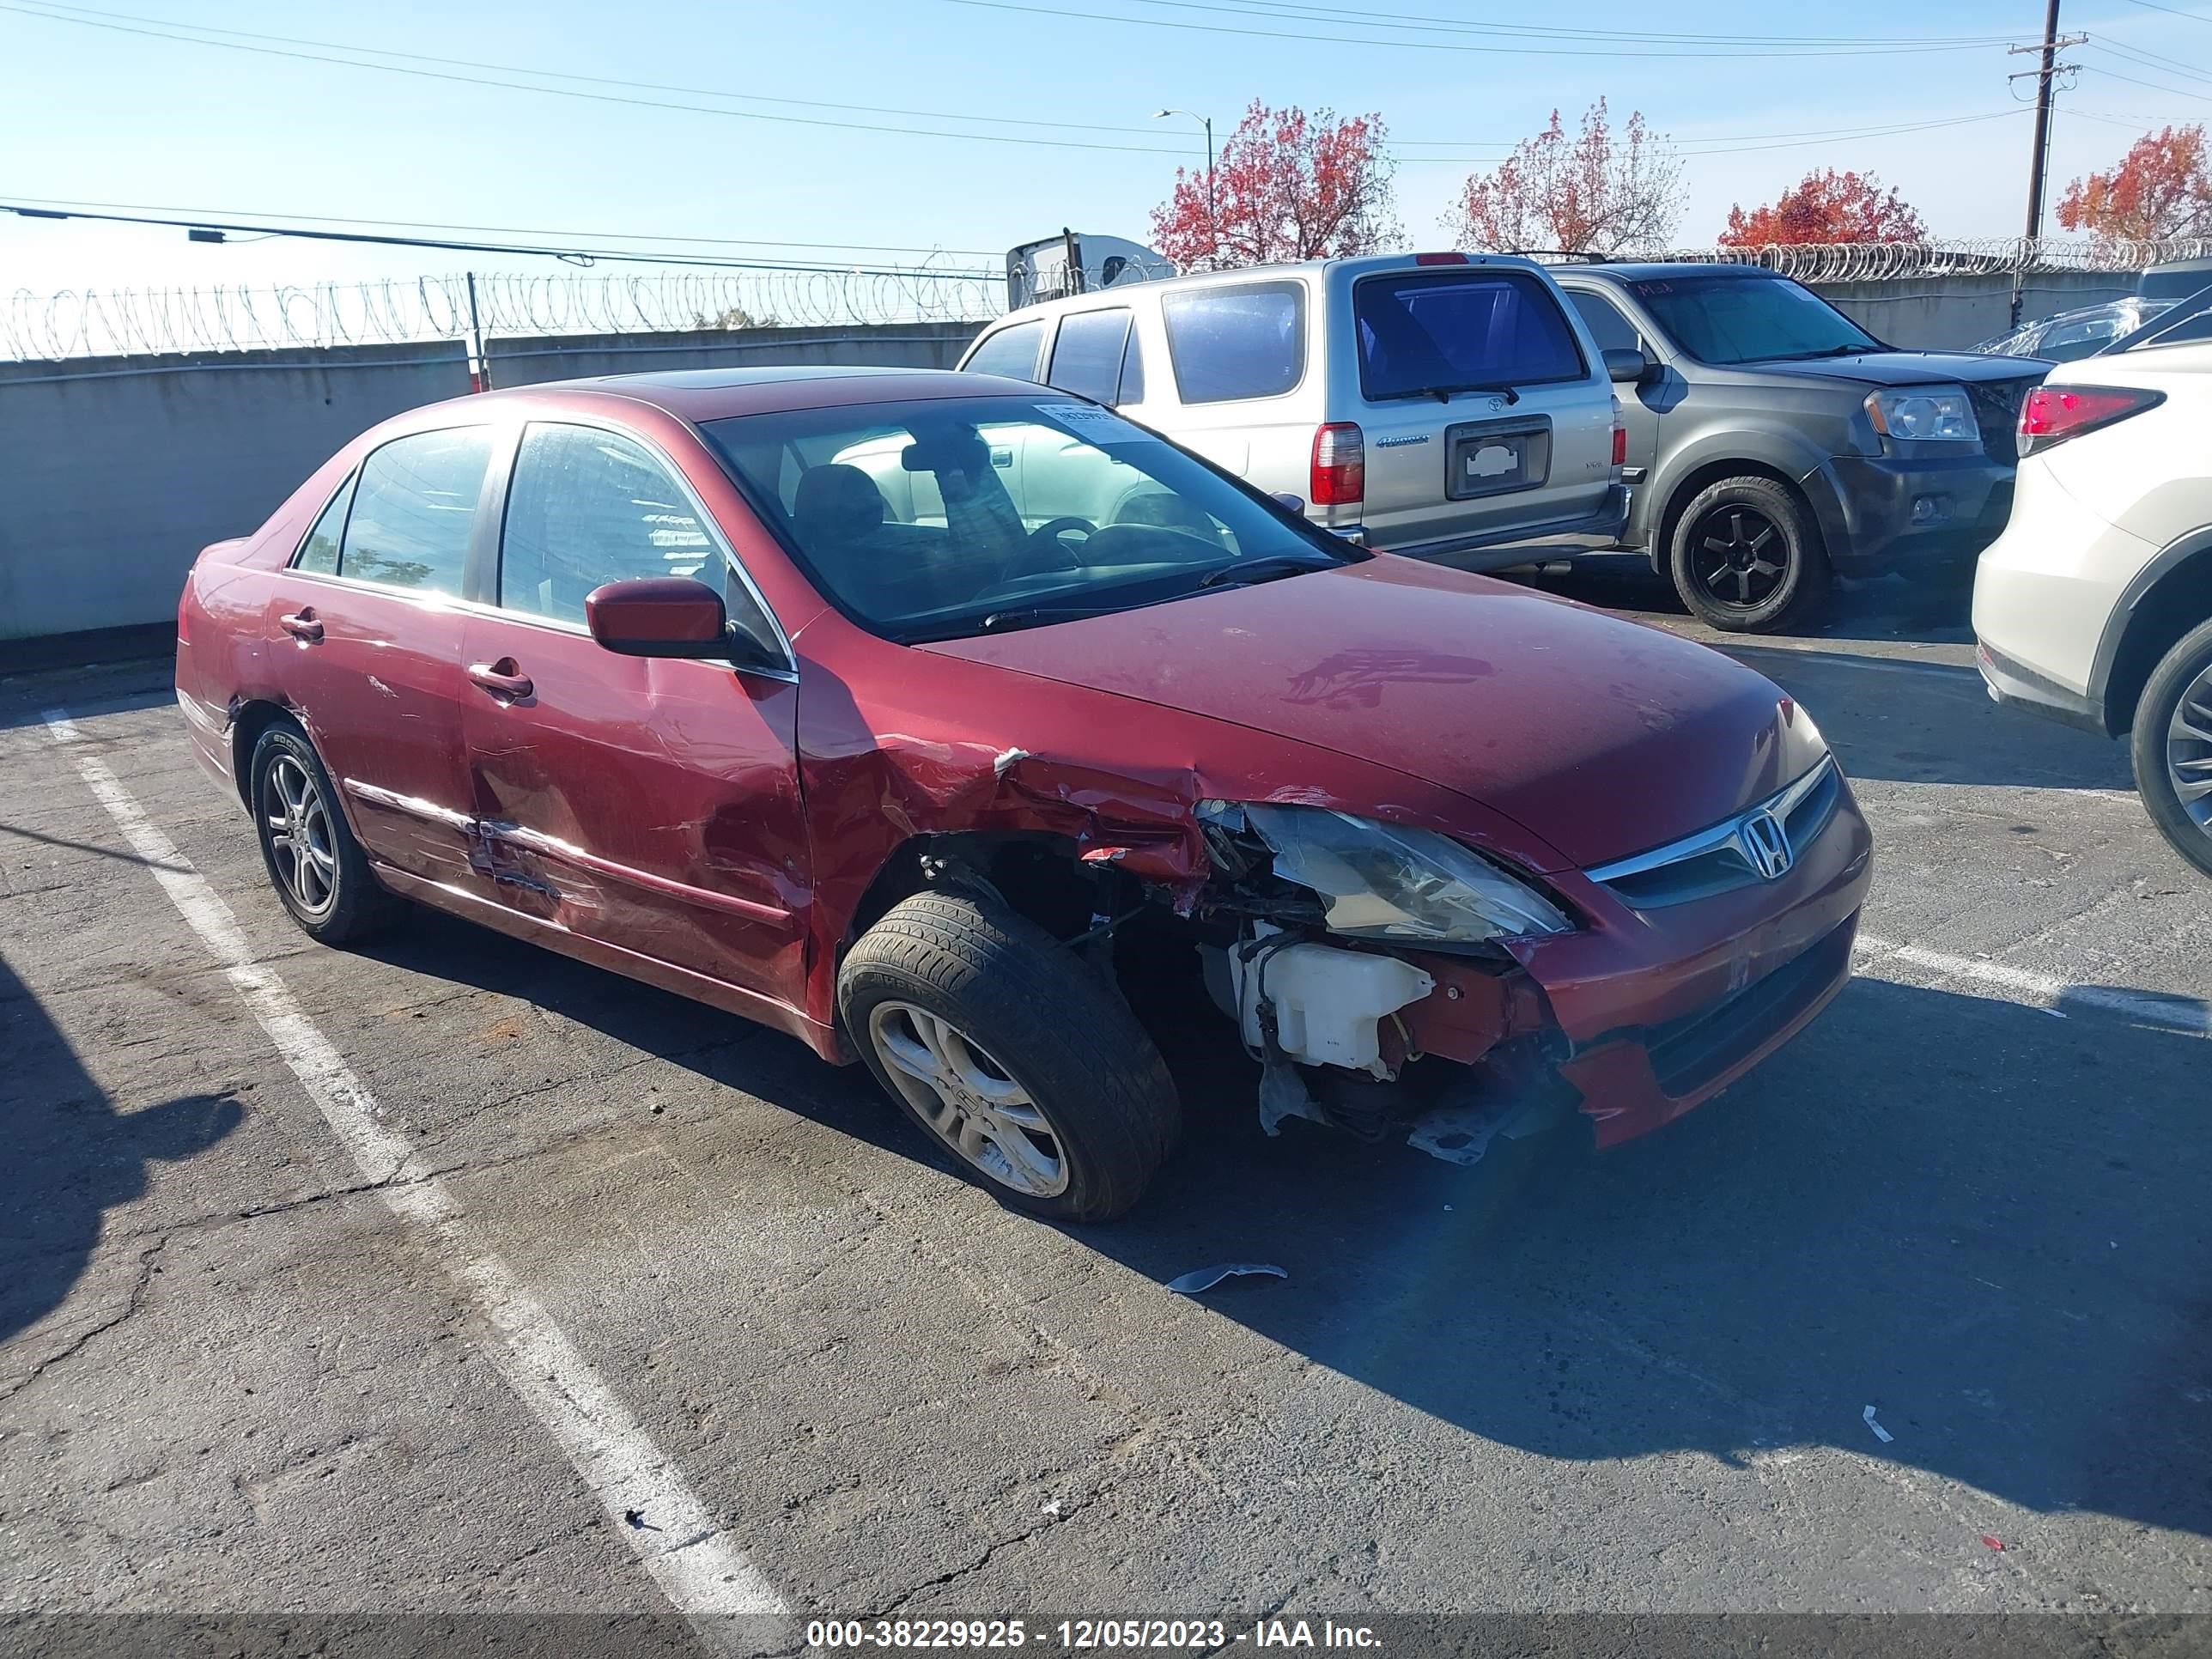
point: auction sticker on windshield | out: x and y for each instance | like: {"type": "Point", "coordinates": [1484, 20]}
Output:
{"type": "Point", "coordinates": [1088, 421]}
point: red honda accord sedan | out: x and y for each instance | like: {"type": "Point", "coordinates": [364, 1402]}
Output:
{"type": "Point", "coordinates": [941, 721]}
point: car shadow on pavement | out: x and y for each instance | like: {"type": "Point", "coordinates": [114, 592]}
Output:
{"type": "Point", "coordinates": [1925, 722]}
{"type": "Point", "coordinates": [1891, 608]}
{"type": "Point", "coordinates": [67, 1156]}
{"type": "Point", "coordinates": [1985, 1222]}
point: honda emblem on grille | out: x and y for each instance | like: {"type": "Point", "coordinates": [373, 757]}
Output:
{"type": "Point", "coordinates": [1767, 844]}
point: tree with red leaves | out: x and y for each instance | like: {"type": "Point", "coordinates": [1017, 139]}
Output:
{"type": "Point", "coordinates": [1592, 193]}
{"type": "Point", "coordinates": [1828, 206]}
{"type": "Point", "coordinates": [1287, 186]}
{"type": "Point", "coordinates": [2161, 188]}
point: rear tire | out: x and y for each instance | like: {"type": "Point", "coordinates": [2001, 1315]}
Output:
{"type": "Point", "coordinates": [1746, 557]}
{"type": "Point", "coordinates": [2171, 747]}
{"type": "Point", "coordinates": [317, 868]}
{"type": "Point", "coordinates": [1021, 1064]}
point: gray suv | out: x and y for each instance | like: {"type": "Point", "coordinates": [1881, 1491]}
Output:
{"type": "Point", "coordinates": [1773, 443]}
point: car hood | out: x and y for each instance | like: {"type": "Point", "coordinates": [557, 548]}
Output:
{"type": "Point", "coordinates": [1603, 738]}
{"type": "Point", "coordinates": [1910, 368]}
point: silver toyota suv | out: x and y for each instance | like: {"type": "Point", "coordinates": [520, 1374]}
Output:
{"type": "Point", "coordinates": [1429, 404]}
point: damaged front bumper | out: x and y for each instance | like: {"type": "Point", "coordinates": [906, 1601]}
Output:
{"type": "Point", "coordinates": [1633, 1018]}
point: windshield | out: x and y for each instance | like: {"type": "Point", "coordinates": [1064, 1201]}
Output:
{"type": "Point", "coordinates": [1749, 320]}
{"type": "Point", "coordinates": [941, 518]}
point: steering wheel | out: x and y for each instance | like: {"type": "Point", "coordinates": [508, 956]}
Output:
{"type": "Point", "coordinates": [1046, 538]}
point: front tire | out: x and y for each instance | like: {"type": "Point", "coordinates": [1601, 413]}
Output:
{"type": "Point", "coordinates": [1014, 1057]}
{"type": "Point", "coordinates": [2171, 747]}
{"type": "Point", "coordinates": [1746, 557]}
{"type": "Point", "coordinates": [317, 868]}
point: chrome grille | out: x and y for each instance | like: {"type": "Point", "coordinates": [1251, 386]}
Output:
{"type": "Point", "coordinates": [1738, 853]}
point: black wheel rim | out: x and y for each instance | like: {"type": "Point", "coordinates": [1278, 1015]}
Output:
{"type": "Point", "coordinates": [2189, 751]}
{"type": "Point", "coordinates": [1739, 557]}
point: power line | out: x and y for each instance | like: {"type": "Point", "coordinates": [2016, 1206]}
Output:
{"type": "Point", "coordinates": [2178, 92]}
{"type": "Point", "coordinates": [591, 97]}
{"type": "Point", "coordinates": [2147, 60]}
{"type": "Point", "coordinates": [572, 255]}
{"type": "Point", "coordinates": [2171, 11]}
{"type": "Point", "coordinates": [1302, 10]}
{"type": "Point", "coordinates": [48, 8]}
{"type": "Point", "coordinates": [502, 230]}
{"type": "Point", "coordinates": [1720, 142]}
{"type": "Point", "coordinates": [1428, 45]}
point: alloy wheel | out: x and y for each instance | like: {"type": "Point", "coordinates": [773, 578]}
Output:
{"type": "Point", "coordinates": [2189, 751]}
{"type": "Point", "coordinates": [1739, 555]}
{"type": "Point", "coordinates": [969, 1100]}
{"type": "Point", "coordinates": [299, 845]}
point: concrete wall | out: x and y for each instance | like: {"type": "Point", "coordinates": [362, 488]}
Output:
{"type": "Point", "coordinates": [1951, 313]}
{"type": "Point", "coordinates": [563, 357]}
{"type": "Point", "coordinates": [115, 472]}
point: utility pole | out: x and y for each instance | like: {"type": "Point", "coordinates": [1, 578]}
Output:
{"type": "Point", "coordinates": [2038, 161]}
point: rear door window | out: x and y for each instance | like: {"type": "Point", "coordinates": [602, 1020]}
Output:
{"type": "Point", "coordinates": [1011, 352]}
{"type": "Point", "coordinates": [1132, 371]}
{"type": "Point", "coordinates": [1086, 354]}
{"type": "Point", "coordinates": [1248, 340]}
{"type": "Point", "coordinates": [1420, 332]}
{"type": "Point", "coordinates": [319, 552]}
{"type": "Point", "coordinates": [1612, 330]}
{"type": "Point", "coordinates": [415, 510]}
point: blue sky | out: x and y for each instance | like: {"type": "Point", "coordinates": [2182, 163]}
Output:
{"type": "Point", "coordinates": [96, 115]}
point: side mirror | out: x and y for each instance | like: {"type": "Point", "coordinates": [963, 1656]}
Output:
{"type": "Point", "coordinates": [1284, 499]}
{"type": "Point", "coordinates": [659, 616]}
{"type": "Point", "coordinates": [1625, 364]}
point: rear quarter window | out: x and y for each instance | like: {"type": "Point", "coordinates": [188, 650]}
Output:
{"type": "Point", "coordinates": [1011, 352]}
{"type": "Point", "coordinates": [1244, 341]}
{"type": "Point", "coordinates": [1422, 332]}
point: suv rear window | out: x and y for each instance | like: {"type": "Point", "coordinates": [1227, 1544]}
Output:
{"type": "Point", "coordinates": [1244, 341]}
{"type": "Point", "coordinates": [1421, 333]}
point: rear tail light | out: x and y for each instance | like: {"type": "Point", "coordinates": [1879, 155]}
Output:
{"type": "Point", "coordinates": [1441, 259]}
{"type": "Point", "coordinates": [2052, 414]}
{"type": "Point", "coordinates": [1340, 466]}
{"type": "Point", "coordinates": [1620, 436]}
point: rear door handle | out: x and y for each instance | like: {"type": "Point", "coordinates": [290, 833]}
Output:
{"type": "Point", "coordinates": [302, 626]}
{"type": "Point", "coordinates": [501, 679]}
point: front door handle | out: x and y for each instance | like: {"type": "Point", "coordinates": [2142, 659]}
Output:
{"type": "Point", "coordinates": [503, 679]}
{"type": "Point", "coordinates": [302, 626]}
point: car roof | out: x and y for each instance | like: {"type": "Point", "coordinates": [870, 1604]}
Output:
{"type": "Point", "coordinates": [1649, 270]}
{"type": "Point", "coordinates": [1358, 264]}
{"type": "Point", "coordinates": [713, 394]}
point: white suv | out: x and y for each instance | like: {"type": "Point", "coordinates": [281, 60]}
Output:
{"type": "Point", "coordinates": [2095, 605]}
{"type": "Point", "coordinates": [1428, 403]}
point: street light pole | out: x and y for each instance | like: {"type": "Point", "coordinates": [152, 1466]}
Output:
{"type": "Point", "coordinates": [1212, 222]}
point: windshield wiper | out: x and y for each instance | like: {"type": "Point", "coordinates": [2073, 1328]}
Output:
{"type": "Point", "coordinates": [1829, 351]}
{"type": "Point", "coordinates": [1247, 571]}
{"type": "Point", "coordinates": [1444, 394]}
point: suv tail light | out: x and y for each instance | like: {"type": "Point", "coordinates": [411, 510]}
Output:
{"type": "Point", "coordinates": [1340, 466]}
{"type": "Point", "coordinates": [1441, 259]}
{"type": "Point", "coordinates": [2052, 414]}
{"type": "Point", "coordinates": [1620, 436]}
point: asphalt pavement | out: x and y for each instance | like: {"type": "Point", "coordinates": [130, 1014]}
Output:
{"type": "Point", "coordinates": [1913, 1319]}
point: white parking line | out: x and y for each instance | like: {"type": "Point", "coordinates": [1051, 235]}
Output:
{"type": "Point", "coordinates": [2184, 1014]}
{"type": "Point", "coordinates": [698, 1568]}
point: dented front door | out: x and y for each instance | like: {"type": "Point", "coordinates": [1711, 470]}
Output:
{"type": "Point", "coordinates": [648, 805]}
